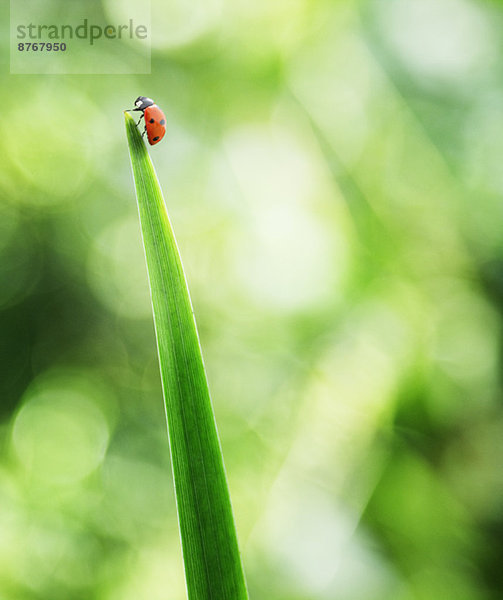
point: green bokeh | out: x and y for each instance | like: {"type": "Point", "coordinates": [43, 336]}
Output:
{"type": "Point", "coordinates": [333, 175]}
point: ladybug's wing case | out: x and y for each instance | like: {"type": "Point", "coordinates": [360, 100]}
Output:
{"type": "Point", "coordinates": [155, 122]}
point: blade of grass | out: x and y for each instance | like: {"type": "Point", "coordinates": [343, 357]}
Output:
{"type": "Point", "coordinates": [211, 556]}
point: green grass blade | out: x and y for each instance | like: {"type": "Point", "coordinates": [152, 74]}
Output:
{"type": "Point", "coordinates": [211, 556]}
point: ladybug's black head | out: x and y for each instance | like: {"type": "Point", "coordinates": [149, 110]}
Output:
{"type": "Point", "coordinates": [142, 102]}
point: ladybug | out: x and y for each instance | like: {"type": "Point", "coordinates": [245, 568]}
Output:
{"type": "Point", "coordinates": [155, 120]}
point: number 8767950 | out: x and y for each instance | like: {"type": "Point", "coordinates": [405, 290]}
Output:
{"type": "Point", "coordinates": [41, 46]}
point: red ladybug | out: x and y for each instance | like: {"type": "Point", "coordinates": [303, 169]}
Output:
{"type": "Point", "coordinates": [155, 121]}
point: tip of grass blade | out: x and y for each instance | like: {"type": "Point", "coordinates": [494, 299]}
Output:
{"type": "Point", "coordinates": [128, 118]}
{"type": "Point", "coordinates": [136, 143]}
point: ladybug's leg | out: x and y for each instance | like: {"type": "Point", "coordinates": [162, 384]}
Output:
{"type": "Point", "coordinates": [139, 119]}
{"type": "Point", "coordinates": [144, 132]}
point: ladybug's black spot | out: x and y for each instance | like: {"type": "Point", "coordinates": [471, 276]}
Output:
{"type": "Point", "coordinates": [156, 138]}
{"type": "Point", "coordinates": [162, 122]}
{"type": "Point", "coordinates": [152, 121]}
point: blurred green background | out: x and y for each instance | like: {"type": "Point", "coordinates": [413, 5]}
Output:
{"type": "Point", "coordinates": [333, 174]}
